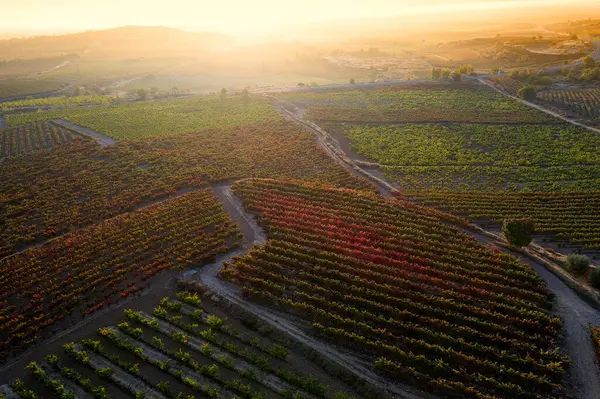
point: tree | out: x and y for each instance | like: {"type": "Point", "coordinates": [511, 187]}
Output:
{"type": "Point", "coordinates": [436, 73]}
{"type": "Point", "coordinates": [223, 93]}
{"type": "Point", "coordinates": [456, 76]}
{"type": "Point", "coordinates": [352, 81]}
{"type": "Point", "coordinates": [245, 95]}
{"type": "Point", "coordinates": [445, 73]}
{"type": "Point", "coordinates": [518, 231]}
{"type": "Point", "coordinates": [142, 94]}
{"type": "Point", "coordinates": [588, 62]}
{"type": "Point", "coordinates": [579, 264]}
{"type": "Point", "coordinates": [527, 93]}
{"type": "Point", "coordinates": [466, 70]}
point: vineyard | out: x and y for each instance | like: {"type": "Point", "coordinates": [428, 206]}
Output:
{"type": "Point", "coordinates": [49, 193]}
{"type": "Point", "coordinates": [57, 101]}
{"type": "Point", "coordinates": [21, 87]}
{"type": "Point", "coordinates": [403, 284]}
{"type": "Point", "coordinates": [479, 157]}
{"type": "Point", "coordinates": [435, 102]}
{"type": "Point", "coordinates": [159, 118]}
{"type": "Point", "coordinates": [582, 102]}
{"type": "Point", "coordinates": [184, 350]}
{"type": "Point", "coordinates": [571, 217]}
{"type": "Point", "coordinates": [82, 272]}
{"type": "Point", "coordinates": [35, 136]}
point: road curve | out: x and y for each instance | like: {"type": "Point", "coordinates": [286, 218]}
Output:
{"type": "Point", "coordinates": [255, 235]}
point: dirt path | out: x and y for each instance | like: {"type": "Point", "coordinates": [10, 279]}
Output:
{"type": "Point", "coordinates": [103, 140]}
{"type": "Point", "coordinates": [577, 314]}
{"type": "Point", "coordinates": [254, 235]}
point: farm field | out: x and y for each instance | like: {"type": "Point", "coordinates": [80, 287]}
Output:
{"type": "Point", "coordinates": [472, 157]}
{"type": "Point", "coordinates": [81, 272]}
{"type": "Point", "coordinates": [585, 102]}
{"type": "Point", "coordinates": [479, 167]}
{"type": "Point", "coordinates": [49, 193]}
{"type": "Point", "coordinates": [56, 101]}
{"type": "Point", "coordinates": [20, 87]}
{"type": "Point", "coordinates": [186, 349]}
{"type": "Point", "coordinates": [433, 102]}
{"type": "Point", "coordinates": [35, 136]}
{"type": "Point", "coordinates": [569, 216]}
{"type": "Point", "coordinates": [160, 118]}
{"type": "Point", "coordinates": [431, 306]}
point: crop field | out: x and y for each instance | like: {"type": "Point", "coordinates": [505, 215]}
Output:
{"type": "Point", "coordinates": [56, 101]}
{"type": "Point", "coordinates": [183, 350]}
{"type": "Point", "coordinates": [49, 193]}
{"type": "Point", "coordinates": [433, 102]}
{"type": "Point", "coordinates": [582, 102]}
{"type": "Point", "coordinates": [571, 216]}
{"type": "Point", "coordinates": [160, 118]}
{"type": "Point", "coordinates": [20, 87]}
{"type": "Point", "coordinates": [474, 165]}
{"type": "Point", "coordinates": [475, 157]}
{"type": "Point", "coordinates": [81, 272]}
{"type": "Point", "coordinates": [508, 84]}
{"type": "Point", "coordinates": [35, 136]}
{"type": "Point", "coordinates": [431, 306]}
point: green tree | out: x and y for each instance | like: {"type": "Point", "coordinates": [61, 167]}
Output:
{"type": "Point", "coordinates": [588, 62]}
{"type": "Point", "coordinates": [445, 73]}
{"type": "Point", "coordinates": [223, 93]}
{"type": "Point", "coordinates": [527, 93]}
{"type": "Point", "coordinates": [456, 76]}
{"type": "Point", "coordinates": [352, 81]}
{"type": "Point", "coordinates": [579, 264]}
{"type": "Point", "coordinates": [142, 94]}
{"type": "Point", "coordinates": [518, 231]}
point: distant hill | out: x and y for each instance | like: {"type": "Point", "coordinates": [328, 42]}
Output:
{"type": "Point", "coordinates": [129, 41]}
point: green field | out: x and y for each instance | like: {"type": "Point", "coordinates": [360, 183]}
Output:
{"type": "Point", "coordinates": [19, 87]}
{"type": "Point", "coordinates": [435, 102]}
{"type": "Point", "coordinates": [470, 157]}
{"type": "Point", "coordinates": [57, 101]}
{"type": "Point", "coordinates": [160, 118]}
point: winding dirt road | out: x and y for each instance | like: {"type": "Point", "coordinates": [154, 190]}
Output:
{"type": "Point", "coordinates": [101, 139]}
{"type": "Point", "coordinates": [254, 235]}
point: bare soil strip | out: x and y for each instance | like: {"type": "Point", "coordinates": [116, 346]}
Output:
{"type": "Point", "coordinates": [103, 140]}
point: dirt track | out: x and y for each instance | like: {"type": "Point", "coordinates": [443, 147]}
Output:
{"type": "Point", "coordinates": [103, 140]}
{"type": "Point", "coordinates": [254, 235]}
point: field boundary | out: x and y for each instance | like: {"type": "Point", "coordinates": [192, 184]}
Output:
{"type": "Point", "coordinates": [100, 138]}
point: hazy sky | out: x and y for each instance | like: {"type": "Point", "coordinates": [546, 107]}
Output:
{"type": "Point", "coordinates": [233, 16]}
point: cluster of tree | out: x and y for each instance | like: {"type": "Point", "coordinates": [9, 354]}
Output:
{"type": "Point", "coordinates": [591, 71]}
{"type": "Point", "coordinates": [457, 74]}
{"type": "Point", "coordinates": [440, 73]}
{"type": "Point", "coordinates": [534, 78]}
{"type": "Point", "coordinates": [153, 92]}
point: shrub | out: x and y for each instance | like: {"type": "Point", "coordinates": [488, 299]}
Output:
{"type": "Point", "coordinates": [579, 264]}
{"type": "Point", "coordinates": [527, 93]}
{"type": "Point", "coordinates": [518, 231]}
{"type": "Point", "coordinates": [595, 278]}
